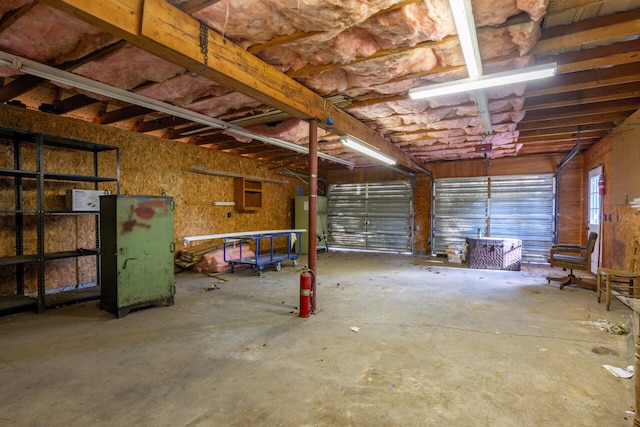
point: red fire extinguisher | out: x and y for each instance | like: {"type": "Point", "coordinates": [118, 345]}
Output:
{"type": "Point", "coordinates": [601, 186]}
{"type": "Point", "coordinates": [305, 293]}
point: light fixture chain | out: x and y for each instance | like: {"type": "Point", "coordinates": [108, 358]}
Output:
{"type": "Point", "coordinates": [204, 48]}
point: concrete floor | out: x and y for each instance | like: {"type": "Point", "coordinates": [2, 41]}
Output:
{"type": "Point", "coordinates": [437, 346]}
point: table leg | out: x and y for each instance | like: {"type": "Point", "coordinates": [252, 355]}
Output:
{"type": "Point", "coordinates": [608, 290]}
{"type": "Point", "coordinates": [636, 362]}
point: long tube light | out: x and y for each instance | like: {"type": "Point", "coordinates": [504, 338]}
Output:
{"type": "Point", "coordinates": [351, 142]}
{"type": "Point", "coordinates": [484, 82]}
{"type": "Point", "coordinates": [64, 77]}
{"type": "Point", "coordinates": [468, 38]}
{"type": "Point", "coordinates": [466, 28]}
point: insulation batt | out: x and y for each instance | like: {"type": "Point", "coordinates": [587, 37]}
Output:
{"type": "Point", "coordinates": [292, 130]}
{"type": "Point", "coordinates": [67, 38]}
{"type": "Point", "coordinates": [272, 18]}
{"type": "Point", "coordinates": [213, 261]}
{"type": "Point", "coordinates": [215, 107]}
{"type": "Point", "coordinates": [129, 67]}
{"type": "Point", "coordinates": [367, 73]}
{"type": "Point", "coordinates": [183, 90]}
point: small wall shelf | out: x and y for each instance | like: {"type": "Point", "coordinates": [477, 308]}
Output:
{"type": "Point", "coordinates": [247, 194]}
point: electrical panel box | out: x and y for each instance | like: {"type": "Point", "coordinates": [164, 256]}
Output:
{"type": "Point", "coordinates": [136, 252]}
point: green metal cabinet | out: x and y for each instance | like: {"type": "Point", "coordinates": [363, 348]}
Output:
{"type": "Point", "coordinates": [136, 252]}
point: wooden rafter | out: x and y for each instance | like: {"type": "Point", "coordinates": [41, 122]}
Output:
{"type": "Point", "coordinates": [167, 32]}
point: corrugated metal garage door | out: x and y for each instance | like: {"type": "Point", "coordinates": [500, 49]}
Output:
{"type": "Point", "coordinates": [371, 216]}
{"type": "Point", "coordinates": [520, 207]}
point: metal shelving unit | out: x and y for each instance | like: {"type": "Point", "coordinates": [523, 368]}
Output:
{"type": "Point", "coordinates": [42, 178]}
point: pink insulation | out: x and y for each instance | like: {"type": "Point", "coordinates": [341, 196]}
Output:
{"type": "Point", "coordinates": [213, 261]}
{"type": "Point", "coordinates": [183, 90]}
{"type": "Point", "coordinates": [292, 130]}
{"type": "Point", "coordinates": [412, 24]}
{"type": "Point", "coordinates": [359, 49]}
{"type": "Point", "coordinates": [215, 107]}
{"type": "Point", "coordinates": [61, 38]}
{"type": "Point", "coordinates": [272, 18]}
{"type": "Point", "coordinates": [371, 72]}
{"type": "Point", "coordinates": [129, 67]}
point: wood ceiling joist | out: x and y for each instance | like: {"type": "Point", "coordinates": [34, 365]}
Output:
{"type": "Point", "coordinates": [559, 6]}
{"type": "Point", "coordinates": [185, 131]}
{"type": "Point", "coordinates": [596, 57]}
{"type": "Point", "coordinates": [12, 16]}
{"type": "Point", "coordinates": [589, 31]}
{"type": "Point", "coordinates": [25, 83]}
{"type": "Point", "coordinates": [218, 139]}
{"type": "Point", "coordinates": [72, 103]}
{"type": "Point", "coordinates": [621, 74]}
{"type": "Point", "coordinates": [19, 86]}
{"type": "Point", "coordinates": [121, 114]}
{"type": "Point", "coordinates": [548, 151]}
{"type": "Point", "coordinates": [157, 124]}
{"type": "Point", "coordinates": [605, 126]}
{"type": "Point", "coordinates": [169, 33]}
{"type": "Point", "coordinates": [563, 137]}
{"type": "Point", "coordinates": [574, 121]}
{"type": "Point", "coordinates": [581, 97]}
{"type": "Point", "coordinates": [584, 110]}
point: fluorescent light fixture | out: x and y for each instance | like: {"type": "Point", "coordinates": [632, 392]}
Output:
{"type": "Point", "coordinates": [351, 142]}
{"type": "Point", "coordinates": [484, 82]}
{"type": "Point", "coordinates": [468, 38]}
{"type": "Point", "coordinates": [64, 77]}
{"type": "Point", "coordinates": [224, 203]}
{"type": "Point", "coordinates": [466, 28]}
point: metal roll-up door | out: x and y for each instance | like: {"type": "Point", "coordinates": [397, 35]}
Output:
{"type": "Point", "coordinates": [371, 216]}
{"type": "Point", "coordinates": [520, 207]}
{"type": "Point", "coordinates": [459, 210]}
{"type": "Point", "coordinates": [523, 207]}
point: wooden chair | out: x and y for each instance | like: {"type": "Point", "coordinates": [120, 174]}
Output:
{"type": "Point", "coordinates": [625, 282]}
{"type": "Point", "coordinates": [579, 259]}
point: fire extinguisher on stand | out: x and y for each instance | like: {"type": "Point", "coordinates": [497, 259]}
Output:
{"type": "Point", "coordinates": [307, 277]}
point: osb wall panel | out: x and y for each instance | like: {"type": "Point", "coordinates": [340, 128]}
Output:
{"type": "Point", "coordinates": [620, 224]}
{"type": "Point", "coordinates": [148, 166]}
{"type": "Point", "coordinates": [625, 154]}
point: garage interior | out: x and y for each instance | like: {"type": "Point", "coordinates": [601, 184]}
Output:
{"type": "Point", "coordinates": [215, 118]}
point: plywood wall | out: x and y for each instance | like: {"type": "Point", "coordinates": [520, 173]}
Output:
{"type": "Point", "coordinates": [620, 225]}
{"type": "Point", "coordinates": [148, 166]}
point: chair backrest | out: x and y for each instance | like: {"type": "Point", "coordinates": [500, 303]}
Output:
{"type": "Point", "coordinates": [591, 243]}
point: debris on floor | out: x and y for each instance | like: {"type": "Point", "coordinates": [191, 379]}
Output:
{"type": "Point", "coordinates": [355, 329]}
{"type": "Point", "coordinates": [605, 326]}
{"type": "Point", "coordinates": [620, 372]}
{"type": "Point", "coordinates": [456, 254]}
{"type": "Point", "coordinates": [619, 329]}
